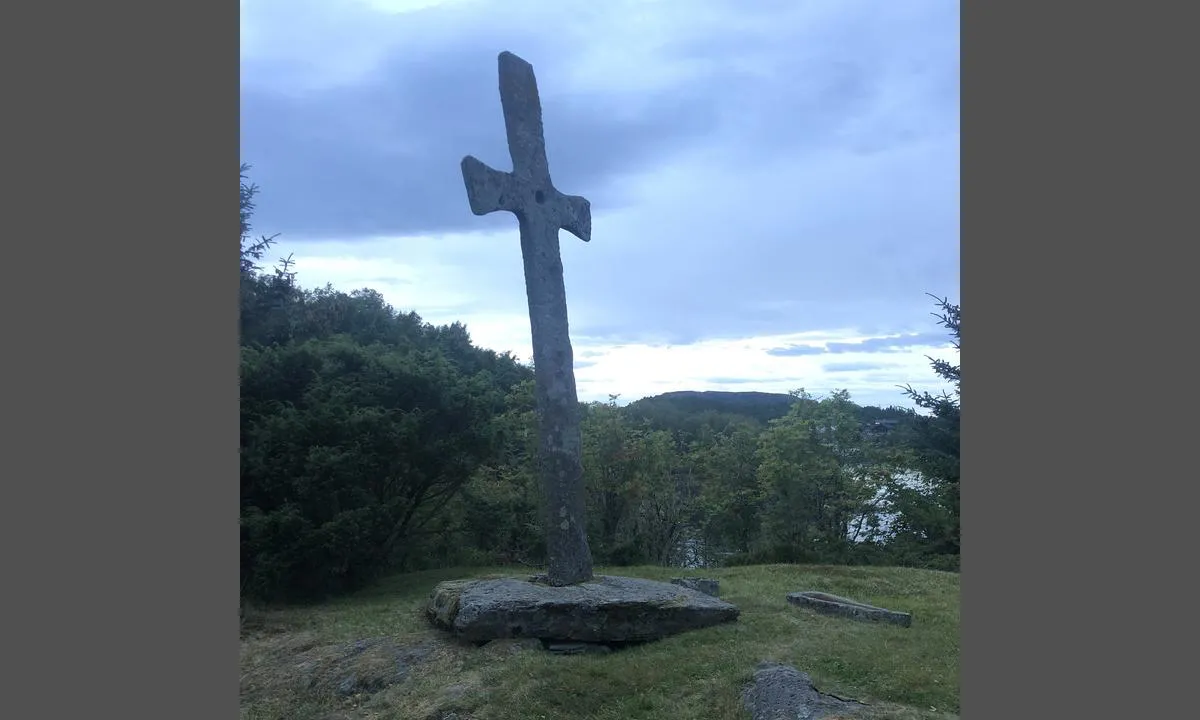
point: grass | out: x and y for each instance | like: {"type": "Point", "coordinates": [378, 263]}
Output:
{"type": "Point", "coordinates": [292, 658]}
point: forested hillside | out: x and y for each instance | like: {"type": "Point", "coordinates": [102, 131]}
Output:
{"type": "Point", "coordinates": [689, 411]}
{"type": "Point", "coordinates": [372, 441]}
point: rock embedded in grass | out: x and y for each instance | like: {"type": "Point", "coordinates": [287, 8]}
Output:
{"type": "Point", "coordinates": [782, 691]}
{"type": "Point", "coordinates": [605, 610]}
{"type": "Point", "coordinates": [845, 607]}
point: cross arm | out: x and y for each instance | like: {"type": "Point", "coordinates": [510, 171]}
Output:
{"type": "Point", "coordinates": [488, 190]}
{"type": "Point", "coordinates": [575, 216]}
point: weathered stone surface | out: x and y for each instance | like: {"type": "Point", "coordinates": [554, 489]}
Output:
{"type": "Point", "coordinates": [780, 692]}
{"type": "Point", "coordinates": [577, 648]}
{"type": "Point", "coordinates": [845, 607]}
{"type": "Point", "coordinates": [505, 647]}
{"type": "Point", "coordinates": [606, 610]}
{"type": "Point", "coordinates": [541, 210]}
{"type": "Point", "coordinates": [708, 586]}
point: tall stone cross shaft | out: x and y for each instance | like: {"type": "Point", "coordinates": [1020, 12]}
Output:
{"type": "Point", "coordinates": [541, 210]}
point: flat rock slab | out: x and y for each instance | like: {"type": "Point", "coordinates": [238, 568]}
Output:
{"type": "Point", "coordinates": [606, 610]}
{"type": "Point", "coordinates": [845, 607]}
{"type": "Point", "coordinates": [780, 692]}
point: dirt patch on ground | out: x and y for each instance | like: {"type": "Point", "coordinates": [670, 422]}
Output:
{"type": "Point", "coordinates": [294, 674]}
{"type": "Point", "coordinates": [275, 665]}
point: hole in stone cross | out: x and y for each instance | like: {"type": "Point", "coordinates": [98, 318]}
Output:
{"type": "Point", "coordinates": [539, 197]}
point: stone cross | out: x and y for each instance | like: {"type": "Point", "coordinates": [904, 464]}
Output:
{"type": "Point", "coordinates": [541, 210]}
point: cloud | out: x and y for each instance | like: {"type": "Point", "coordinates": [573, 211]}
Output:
{"type": "Point", "coordinates": [734, 381]}
{"type": "Point", "coordinates": [797, 351]}
{"type": "Point", "coordinates": [890, 344]}
{"type": "Point", "coordinates": [756, 170]}
{"type": "Point", "coordinates": [636, 370]}
{"type": "Point", "coordinates": [377, 152]}
{"type": "Point", "coordinates": [611, 364]}
{"type": "Point", "coordinates": [848, 367]}
{"type": "Point", "coordinates": [865, 345]}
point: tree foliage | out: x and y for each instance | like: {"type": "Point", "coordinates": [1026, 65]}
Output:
{"type": "Point", "coordinates": [359, 426]}
{"type": "Point", "coordinates": [821, 474]}
{"type": "Point", "coordinates": [927, 530]}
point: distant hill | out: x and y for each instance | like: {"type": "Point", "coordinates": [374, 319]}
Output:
{"type": "Point", "coordinates": [759, 406]}
{"type": "Point", "coordinates": [688, 410]}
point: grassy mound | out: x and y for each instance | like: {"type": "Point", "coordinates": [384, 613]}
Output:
{"type": "Point", "coordinates": [374, 655]}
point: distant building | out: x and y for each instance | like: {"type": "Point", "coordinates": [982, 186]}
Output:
{"type": "Point", "coordinates": [880, 427]}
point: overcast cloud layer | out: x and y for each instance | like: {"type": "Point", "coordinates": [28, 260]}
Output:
{"type": "Point", "coordinates": [774, 183]}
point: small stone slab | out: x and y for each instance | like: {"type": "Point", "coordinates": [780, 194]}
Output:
{"type": "Point", "coordinates": [781, 692]}
{"type": "Point", "coordinates": [845, 607]}
{"type": "Point", "coordinates": [708, 586]}
{"type": "Point", "coordinates": [606, 610]}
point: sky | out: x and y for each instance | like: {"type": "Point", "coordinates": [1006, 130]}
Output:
{"type": "Point", "coordinates": [774, 184]}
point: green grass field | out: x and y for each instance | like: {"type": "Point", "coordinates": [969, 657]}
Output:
{"type": "Point", "coordinates": [292, 658]}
